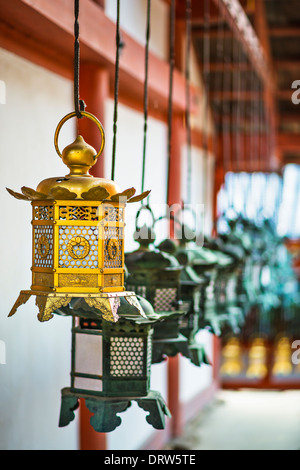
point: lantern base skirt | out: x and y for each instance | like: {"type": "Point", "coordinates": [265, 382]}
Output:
{"type": "Point", "coordinates": [105, 410]}
{"type": "Point", "coordinates": [106, 304]}
{"type": "Point", "coordinates": [169, 347]}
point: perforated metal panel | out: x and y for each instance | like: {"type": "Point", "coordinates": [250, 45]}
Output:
{"type": "Point", "coordinates": [126, 357]}
{"type": "Point", "coordinates": [78, 247]}
{"type": "Point", "coordinates": [43, 213]}
{"type": "Point", "coordinates": [139, 290]}
{"type": "Point", "coordinates": [78, 213]}
{"type": "Point", "coordinates": [113, 247]}
{"type": "Point", "coordinates": [113, 214]}
{"type": "Point", "coordinates": [43, 246]}
{"type": "Point", "coordinates": [165, 299]}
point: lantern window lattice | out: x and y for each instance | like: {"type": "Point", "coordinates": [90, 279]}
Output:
{"type": "Point", "coordinates": [78, 236]}
{"type": "Point", "coordinates": [104, 358]}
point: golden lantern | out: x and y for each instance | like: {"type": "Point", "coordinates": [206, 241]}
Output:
{"type": "Point", "coordinates": [282, 358]}
{"type": "Point", "coordinates": [257, 368]}
{"type": "Point", "coordinates": [232, 357]}
{"type": "Point", "coordinates": [78, 235]}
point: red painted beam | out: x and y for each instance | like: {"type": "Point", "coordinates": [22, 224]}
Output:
{"type": "Point", "coordinates": [94, 90]}
{"type": "Point", "coordinates": [89, 439]}
{"type": "Point", "coordinates": [289, 142]}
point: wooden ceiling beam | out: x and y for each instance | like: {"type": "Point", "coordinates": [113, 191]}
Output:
{"type": "Point", "coordinates": [239, 23]}
{"type": "Point", "coordinates": [284, 95]}
{"type": "Point", "coordinates": [43, 32]}
{"type": "Point", "coordinates": [286, 32]}
{"type": "Point", "coordinates": [270, 90]}
{"type": "Point", "coordinates": [236, 96]}
{"type": "Point", "coordinates": [229, 67]}
{"type": "Point", "coordinates": [287, 64]}
{"type": "Point", "coordinates": [289, 142]}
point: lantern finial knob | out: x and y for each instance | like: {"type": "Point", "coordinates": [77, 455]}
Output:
{"type": "Point", "coordinates": [79, 157]}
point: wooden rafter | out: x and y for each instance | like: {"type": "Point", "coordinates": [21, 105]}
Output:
{"type": "Point", "coordinates": [42, 31]}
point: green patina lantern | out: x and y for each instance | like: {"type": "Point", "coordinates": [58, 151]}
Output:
{"type": "Point", "coordinates": [155, 275]}
{"type": "Point", "coordinates": [203, 263]}
{"type": "Point", "coordinates": [111, 365]}
{"type": "Point", "coordinates": [191, 293]}
{"type": "Point", "coordinates": [226, 284]}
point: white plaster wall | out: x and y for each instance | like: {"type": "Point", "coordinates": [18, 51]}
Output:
{"type": "Point", "coordinates": [37, 355]}
{"type": "Point", "coordinates": [128, 166]}
{"type": "Point", "coordinates": [133, 14]}
{"type": "Point", "coordinates": [194, 379]}
{"type": "Point", "coordinates": [134, 430]}
{"type": "Point", "coordinates": [201, 184]}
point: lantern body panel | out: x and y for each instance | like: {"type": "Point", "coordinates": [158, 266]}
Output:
{"type": "Point", "coordinates": [78, 246]}
{"type": "Point", "coordinates": [111, 361]}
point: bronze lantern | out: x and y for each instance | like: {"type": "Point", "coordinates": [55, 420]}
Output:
{"type": "Point", "coordinates": [155, 275]}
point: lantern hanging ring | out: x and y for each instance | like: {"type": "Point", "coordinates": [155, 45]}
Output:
{"type": "Point", "coordinates": [87, 115]}
{"type": "Point", "coordinates": [143, 208]}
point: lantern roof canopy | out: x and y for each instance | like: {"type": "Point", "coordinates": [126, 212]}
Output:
{"type": "Point", "coordinates": [78, 184]}
{"type": "Point", "coordinates": [79, 158]}
{"type": "Point", "coordinates": [151, 259]}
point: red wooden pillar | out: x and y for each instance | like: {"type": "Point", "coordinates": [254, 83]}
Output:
{"type": "Point", "coordinates": [174, 197]}
{"type": "Point", "coordinates": [94, 90]}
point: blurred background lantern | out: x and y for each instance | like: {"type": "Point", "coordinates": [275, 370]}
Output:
{"type": "Point", "coordinates": [155, 275]}
{"type": "Point", "coordinates": [192, 286]}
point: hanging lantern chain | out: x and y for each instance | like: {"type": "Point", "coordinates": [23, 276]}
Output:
{"type": "Point", "coordinates": [225, 113]}
{"type": "Point", "coordinates": [206, 73]}
{"type": "Point", "coordinates": [79, 104]}
{"type": "Point", "coordinates": [188, 99]}
{"type": "Point", "coordinates": [172, 65]}
{"type": "Point", "coordinates": [119, 45]}
{"type": "Point", "coordinates": [148, 32]}
{"type": "Point", "coordinates": [218, 82]}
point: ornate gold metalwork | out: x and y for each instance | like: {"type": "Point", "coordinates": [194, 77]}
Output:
{"type": "Point", "coordinates": [257, 368]}
{"type": "Point", "coordinates": [43, 246]}
{"type": "Point", "coordinates": [113, 248]}
{"type": "Point", "coordinates": [90, 156]}
{"type": "Point", "coordinates": [132, 300]}
{"type": "Point", "coordinates": [48, 304]}
{"type": "Point", "coordinates": [111, 280]}
{"type": "Point", "coordinates": [78, 226]}
{"type": "Point", "coordinates": [32, 194]}
{"type": "Point", "coordinates": [232, 355]}
{"type": "Point", "coordinates": [78, 247]}
{"type": "Point", "coordinates": [41, 279]}
{"type": "Point", "coordinates": [104, 306]}
{"type": "Point", "coordinates": [78, 280]}
{"type": "Point", "coordinates": [98, 193]}
{"type": "Point", "coordinates": [62, 194]}
{"type": "Point", "coordinates": [22, 299]}
{"type": "Point", "coordinates": [282, 360]}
